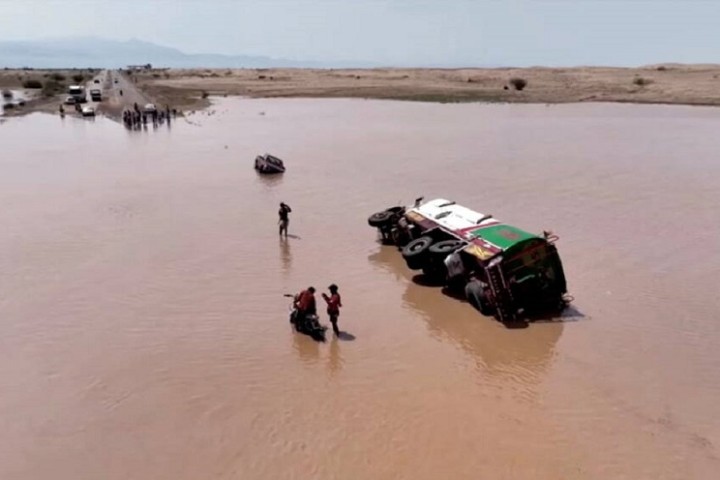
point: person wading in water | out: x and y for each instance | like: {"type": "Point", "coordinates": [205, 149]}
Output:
{"type": "Point", "coordinates": [284, 220]}
{"type": "Point", "coordinates": [333, 306]}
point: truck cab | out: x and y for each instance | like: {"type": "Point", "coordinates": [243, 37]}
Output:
{"type": "Point", "coordinates": [78, 93]}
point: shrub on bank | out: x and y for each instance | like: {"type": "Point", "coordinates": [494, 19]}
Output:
{"type": "Point", "coordinates": [52, 87]}
{"type": "Point", "coordinates": [78, 77]}
{"type": "Point", "coordinates": [58, 77]}
{"type": "Point", "coordinates": [7, 94]}
{"type": "Point", "coordinates": [518, 83]}
{"type": "Point", "coordinates": [641, 82]}
{"type": "Point", "coordinates": [205, 94]}
{"type": "Point", "coordinates": [9, 106]}
{"type": "Point", "coordinates": [32, 84]}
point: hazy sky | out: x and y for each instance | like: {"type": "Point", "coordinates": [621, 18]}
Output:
{"type": "Point", "coordinates": [398, 32]}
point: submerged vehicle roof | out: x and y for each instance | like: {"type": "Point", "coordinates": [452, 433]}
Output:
{"type": "Point", "coordinates": [273, 159]}
{"type": "Point", "coordinates": [487, 236]}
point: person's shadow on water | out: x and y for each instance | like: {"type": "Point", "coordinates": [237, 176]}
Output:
{"type": "Point", "coordinates": [345, 336]}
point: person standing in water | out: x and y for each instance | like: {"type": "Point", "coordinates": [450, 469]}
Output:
{"type": "Point", "coordinates": [284, 219]}
{"type": "Point", "coordinates": [333, 306]}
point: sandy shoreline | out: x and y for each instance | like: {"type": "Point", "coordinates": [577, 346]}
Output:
{"type": "Point", "coordinates": [673, 84]}
{"type": "Point", "coordinates": [189, 89]}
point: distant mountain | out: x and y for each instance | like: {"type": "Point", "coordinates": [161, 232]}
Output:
{"type": "Point", "coordinates": [94, 52]}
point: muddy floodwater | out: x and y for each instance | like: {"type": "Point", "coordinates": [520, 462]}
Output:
{"type": "Point", "coordinates": [144, 332]}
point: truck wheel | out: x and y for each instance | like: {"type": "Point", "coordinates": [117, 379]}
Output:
{"type": "Point", "coordinates": [380, 219]}
{"type": "Point", "coordinates": [446, 247]}
{"type": "Point", "coordinates": [415, 252]}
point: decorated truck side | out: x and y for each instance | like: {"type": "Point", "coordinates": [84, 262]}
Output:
{"type": "Point", "coordinates": [520, 274]}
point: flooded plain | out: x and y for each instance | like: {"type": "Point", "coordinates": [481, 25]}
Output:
{"type": "Point", "coordinates": [144, 332]}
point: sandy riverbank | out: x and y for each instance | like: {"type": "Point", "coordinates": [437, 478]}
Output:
{"type": "Point", "coordinates": [188, 89]}
{"type": "Point", "coordinates": [673, 84]}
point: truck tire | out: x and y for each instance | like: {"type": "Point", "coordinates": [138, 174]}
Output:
{"type": "Point", "coordinates": [380, 219]}
{"type": "Point", "coordinates": [415, 252]}
{"type": "Point", "coordinates": [446, 247]}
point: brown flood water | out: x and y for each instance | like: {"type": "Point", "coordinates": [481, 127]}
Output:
{"type": "Point", "coordinates": [144, 334]}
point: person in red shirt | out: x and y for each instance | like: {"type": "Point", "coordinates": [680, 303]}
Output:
{"type": "Point", "coordinates": [305, 303]}
{"type": "Point", "coordinates": [333, 306]}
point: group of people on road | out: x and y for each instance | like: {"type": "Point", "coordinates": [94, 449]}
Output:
{"type": "Point", "coordinates": [304, 302]}
{"type": "Point", "coordinates": [137, 118]}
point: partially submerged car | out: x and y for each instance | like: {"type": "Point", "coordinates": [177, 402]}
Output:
{"type": "Point", "coordinates": [520, 273]}
{"type": "Point", "coordinates": [150, 108]}
{"type": "Point", "coordinates": [87, 111]}
{"type": "Point", "coordinates": [269, 164]}
{"type": "Point", "coordinates": [96, 95]}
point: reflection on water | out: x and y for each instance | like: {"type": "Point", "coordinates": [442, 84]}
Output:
{"type": "Point", "coordinates": [496, 349]}
{"type": "Point", "coordinates": [307, 349]}
{"type": "Point", "coordinates": [335, 360]}
{"type": "Point", "coordinates": [270, 181]}
{"type": "Point", "coordinates": [285, 255]}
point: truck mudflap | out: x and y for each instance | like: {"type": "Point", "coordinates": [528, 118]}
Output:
{"type": "Point", "coordinates": [504, 303]}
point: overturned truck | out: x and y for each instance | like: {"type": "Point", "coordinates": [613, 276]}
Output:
{"type": "Point", "coordinates": [504, 271]}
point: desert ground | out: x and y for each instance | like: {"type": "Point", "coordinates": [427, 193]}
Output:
{"type": "Point", "coordinates": [674, 84]}
{"type": "Point", "coordinates": [189, 89]}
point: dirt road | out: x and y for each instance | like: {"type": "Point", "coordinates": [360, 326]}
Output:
{"type": "Point", "coordinates": [119, 93]}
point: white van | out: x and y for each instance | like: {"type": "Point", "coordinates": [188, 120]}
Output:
{"type": "Point", "coordinates": [78, 93]}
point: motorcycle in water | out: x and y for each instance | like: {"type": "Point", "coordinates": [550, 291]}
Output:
{"type": "Point", "coordinates": [309, 325]}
